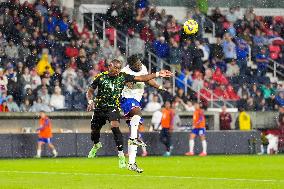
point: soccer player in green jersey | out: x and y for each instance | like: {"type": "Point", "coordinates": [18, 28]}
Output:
{"type": "Point", "coordinates": [106, 105]}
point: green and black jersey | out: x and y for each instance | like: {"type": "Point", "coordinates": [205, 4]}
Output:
{"type": "Point", "coordinates": [109, 89]}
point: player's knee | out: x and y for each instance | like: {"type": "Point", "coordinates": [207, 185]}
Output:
{"type": "Point", "coordinates": [114, 124]}
{"type": "Point", "coordinates": [96, 127]}
{"type": "Point", "coordinates": [135, 120]}
{"type": "Point", "coordinates": [192, 136]}
{"type": "Point", "coordinates": [135, 111]}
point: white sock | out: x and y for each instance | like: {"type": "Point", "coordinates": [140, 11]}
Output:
{"type": "Point", "coordinates": [120, 153]}
{"type": "Point", "coordinates": [191, 145]}
{"type": "Point", "coordinates": [132, 153]}
{"type": "Point", "coordinates": [261, 149]}
{"type": "Point", "coordinates": [38, 153]}
{"type": "Point", "coordinates": [144, 149]}
{"type": "Point", "coordinates": [54, 152]}
{"type": "Point", "coordinates": [134, 123]}
{"type": "Point", "coordinates": [204, 146]}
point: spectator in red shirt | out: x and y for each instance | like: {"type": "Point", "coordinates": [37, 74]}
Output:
{"type": "Point", "coordinates": [147, 34]}
{"type": "Point", "coordinates": [85, 33]}
{"type": "Point", "coordinates": [219, 78]}
{"type": "Point", "coordinates": [225, 119]}
{"type": "Point", "coordinates": [72, 50]}
{"type": "Point", "coordinates": [231, 93]}
{"type": "Point", "coordinates": [4, 107]}
{"type": "Point", "coordinates": [220, 92]}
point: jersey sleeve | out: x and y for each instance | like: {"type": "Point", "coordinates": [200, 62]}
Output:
{"type": "Point", "coordinates": [124, 70]}
{"type": "Point", "coordinates": [128, 77]}
{"type": "Point", "coordinates": [144, 70]}
{"type": "Point", "coordinates": [95, 82]}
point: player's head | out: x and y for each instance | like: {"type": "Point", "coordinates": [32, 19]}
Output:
{"type": "Point", "coordinates": [155, 98]}
{"type": "Point", "coordinates": [42, 114]}
{"type": "Point", "coordinates": [196, 105]}
{"type": "Point", "coordinates": [167, 104]}
{"type": "Point", "coordinates": [134, 63]}
{"type": "Point", "coordinates": [114, 67]}
{"type": "Point", "coordinates": [224, 108]}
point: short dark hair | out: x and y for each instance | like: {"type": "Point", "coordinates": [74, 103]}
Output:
{"type": "Point", "coordinates": [132, 59]}
{"type": "Point", "coordinates": [116, 61]}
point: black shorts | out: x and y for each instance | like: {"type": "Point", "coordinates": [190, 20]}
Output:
{"type": "Point", "coordinates": [100, 117]}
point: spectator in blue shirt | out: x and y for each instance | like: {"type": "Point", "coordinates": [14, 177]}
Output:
{"type": "Point", "coordinates": [141, 4]}
{"type": "Point", "coordinates": [229, 48]}
{"type": "Point", "coordinates": [262, 62]}
{"type": "Point", "coordinates": [231, 30]}
{"type": "Point", "coordinates": [41, 8]}
{"type": "Point", "coordinates": [183, 78]}
{"type": "Point", "coordinates": [258, 39]}
{"type": "Point", "coordinates": [242, 51]}
{"type": "Point", "coordinates": [280, 99]}
{"type": "Point", "coordinates": [50, 24]}
{"type": "Point", "coordinates": [161, 48]}
{"type": "Point", "coordinates": [63, 24]}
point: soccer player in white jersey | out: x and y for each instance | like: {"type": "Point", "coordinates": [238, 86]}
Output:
{"type": "Point", "coordinates": [130, 104]}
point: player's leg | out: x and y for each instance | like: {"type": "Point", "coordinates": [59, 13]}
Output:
{"type": "Point", "coordinates": [117, 135]}
{"type": "Point", "coordinates": [51, 146]}
{"type": "Point", "coordinates": [114, 117]}
{"type": "Point", "coordinates": [203, 142]}
{"type": "Point", "coordinates": [144, 149]}
{"type": "Point", "coordinates": [133, 139]}
{"type": "Point", "coordinates": [167, 142]}
{"type": "Point", "coordinates": [98, 120]}
{"type": "Point", "coordinates": [162, 136]}
{"type": "Point", "coordinates": [39, 144]}
{"type": "Point", "coordinates": [132, 151]}
{"type": "Point", "coordinates": [191, 143]}
{"type": "Point", "coordinates": [131, 108]}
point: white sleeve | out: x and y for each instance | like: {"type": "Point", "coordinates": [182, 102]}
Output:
{"type": "Point", "coordinates": [144, 70]}
{"type": "Point", "coordinates": [123, 69]}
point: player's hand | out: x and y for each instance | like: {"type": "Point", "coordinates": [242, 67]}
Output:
{"type": "Point", "coordinates": [165, 73]}
{"type": "Point", "coordinates": [90, 106]}
{"type": "Point", "coordinates": [162, 89]}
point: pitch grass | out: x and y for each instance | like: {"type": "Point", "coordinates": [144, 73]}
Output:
{"type": "Point", "coordinates": [216, 172]}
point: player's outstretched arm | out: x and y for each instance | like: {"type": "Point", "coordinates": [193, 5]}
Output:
{"type": "Point", "coordinates": [154, 84]}
{"type": "Point", "coordinates": [145, 78]}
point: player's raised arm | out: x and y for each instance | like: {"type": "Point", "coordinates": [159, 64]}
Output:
{"type": "Point", "coordinates": [153, 83]}
{"type": "Point", "coordinates": [145, 78]}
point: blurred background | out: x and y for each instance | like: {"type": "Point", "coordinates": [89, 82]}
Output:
{"type": "Point", "coordinates": [50, 51]}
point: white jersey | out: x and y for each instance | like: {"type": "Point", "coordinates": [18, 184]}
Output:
{"type": "Point", "coordinates": [136, 91]}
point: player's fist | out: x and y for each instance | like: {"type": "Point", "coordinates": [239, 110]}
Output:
{"type": "Point", "coordinates": [91, 105]}
{"type": "Point", "coordinates": [165, 73]}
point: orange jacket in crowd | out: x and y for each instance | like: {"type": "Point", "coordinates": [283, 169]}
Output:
{"type": "Point", "coordinates": [198, 119]}
{"type": "Point", "coordinates": [45, 128]}
{"type": "Point", "coordinates": [167, 118]}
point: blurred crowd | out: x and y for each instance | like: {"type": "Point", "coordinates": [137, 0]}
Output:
{"type": "Point", "coordinates": [47, 61]}
{"type": "Point", "coordinates": [220, 68]}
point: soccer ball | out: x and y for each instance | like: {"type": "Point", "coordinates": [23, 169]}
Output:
{"type": "Point", "coordinates": [190, 27]}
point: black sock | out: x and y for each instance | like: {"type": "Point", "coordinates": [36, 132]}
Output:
{"type": "Point", "coordinates": [117, 138]}
{"type": "Point", "coordinates": [95, 136]}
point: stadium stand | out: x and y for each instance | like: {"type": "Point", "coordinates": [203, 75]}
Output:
{"type": "Point", "coordinates": [43, 51]}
